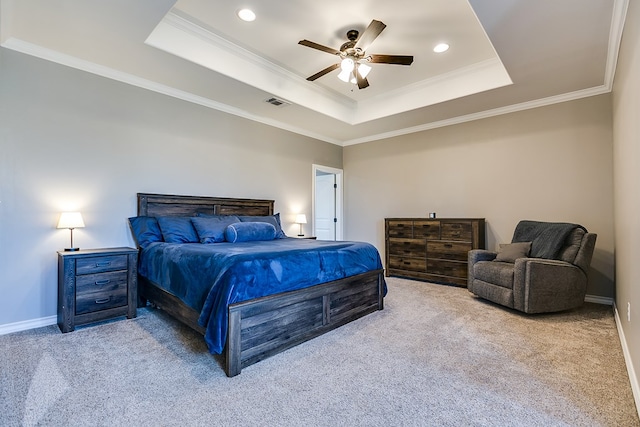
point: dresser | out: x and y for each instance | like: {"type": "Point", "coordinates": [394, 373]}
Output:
{"type": "Point", "coordinates": [429, 249]}
{"type": "Point", "coordinates": [96, 284]}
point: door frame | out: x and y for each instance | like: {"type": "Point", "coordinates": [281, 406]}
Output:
{"type": "Point", "coordinates": [339, 197]}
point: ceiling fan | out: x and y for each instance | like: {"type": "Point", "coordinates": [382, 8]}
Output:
{"type": "Point", "coordinates": [353, 56]}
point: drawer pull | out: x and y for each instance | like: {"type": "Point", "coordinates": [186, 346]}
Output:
{"type": "Point", "coordinates": [103, 300]}
{"type": "Point", "coordinates": [102, 282]}
{"type": "Point", "coordinates": [448, 245]}
{"type": "Point", "coordinates": [103, 264]}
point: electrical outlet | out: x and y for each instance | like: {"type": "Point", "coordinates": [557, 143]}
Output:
{"type": "Point", "coordinates": [628, 312]}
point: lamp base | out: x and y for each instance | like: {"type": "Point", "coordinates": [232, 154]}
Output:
{"type": "Point", "coordinates": [300, 235]}
{"type": "Point", "coordinates": [71, 249]}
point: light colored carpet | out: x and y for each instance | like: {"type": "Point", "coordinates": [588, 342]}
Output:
{"type": "Point", "coordinates": [435, 356]}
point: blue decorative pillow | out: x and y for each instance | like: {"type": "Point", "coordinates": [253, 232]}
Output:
{"type": "Point", "coordinates": [210, 229]}
{"type": "Point", "coordinates": [249, 231]}
{"type": "Point", "coordinates": [177, 229]}
{"type": "Point", "coordinates": [145, 230]}
{"type": "Point", "coordinates": [270, 219]}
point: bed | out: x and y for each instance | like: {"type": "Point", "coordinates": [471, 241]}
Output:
{"type": "Point", "coordinates": [245, 325]}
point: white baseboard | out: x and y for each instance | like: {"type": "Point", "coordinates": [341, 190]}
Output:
{"type": "Point", "coordinates": [598, 300]}
{"type": "Point", "coordinates": [633, 378]}
{"type": "Point", "coordinates": [10, 328]}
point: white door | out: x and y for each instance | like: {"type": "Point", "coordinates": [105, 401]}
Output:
{"type": "Point", "coordinates": [327, 203]}
{"type": "Point", "coordinates": [325, 226]}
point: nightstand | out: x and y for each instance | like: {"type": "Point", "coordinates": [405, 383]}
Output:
{"type": "Point", "coordinates": [96, 284]}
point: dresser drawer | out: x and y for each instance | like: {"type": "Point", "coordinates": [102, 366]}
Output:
{"type": "Point", "coordinates": [100, 264]}
{"type": "Point", "coordinates": [411, 264]}
{"type": "Point", "coordinates": [426, 229]}
{"type": "Point", "coordinates": [400, 229]}
{"type": "Point", "coordinates": [447, 268]}
{"type": "Point", "coordinates": [450, 250]}
{"type": "Point", "coordinates": [457, 231]}
{"type": "Point", "coordinates": [101, 291]}
{"type": "Point", "coordinates": [407, 247]}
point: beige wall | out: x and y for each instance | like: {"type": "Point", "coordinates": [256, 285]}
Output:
{"type": "Point", "coordinates": [626, 178]}
{"type": "Point", "coordinates": [70, 140]}
{"type": "Point", "coordinates": [550, 164]}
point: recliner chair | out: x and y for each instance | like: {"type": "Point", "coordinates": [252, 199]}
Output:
{"type": "Point", "coordinates": [544, 269]}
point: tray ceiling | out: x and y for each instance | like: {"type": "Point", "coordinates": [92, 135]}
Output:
{"type": "Point", "coordinates": [504, 56]}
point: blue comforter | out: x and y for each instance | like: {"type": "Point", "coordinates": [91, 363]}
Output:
{"type": "Point", "coordinates": [210, 277]}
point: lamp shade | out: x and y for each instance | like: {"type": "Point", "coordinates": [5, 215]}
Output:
{"type": "Point", "coordinates": [301, 219]}
{"type": "Point", "coordinates": [70, 220]}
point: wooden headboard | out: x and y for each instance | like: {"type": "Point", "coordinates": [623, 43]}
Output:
{"type": "Point", "coordinates": [171, 205]}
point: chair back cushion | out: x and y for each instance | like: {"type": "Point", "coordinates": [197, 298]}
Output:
{"type": "Point", "coordinates": [571, 246]}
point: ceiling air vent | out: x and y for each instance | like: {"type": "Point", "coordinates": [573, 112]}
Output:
{"type": "Point", "coordinates": [277, 102]}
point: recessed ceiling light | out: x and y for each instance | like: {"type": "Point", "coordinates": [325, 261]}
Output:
{"type": "Point", "coordinates": [246, 15]}
{"type": "Point", "coordinates": [442, 47]}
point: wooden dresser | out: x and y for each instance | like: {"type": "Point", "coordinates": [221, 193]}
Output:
{"type": "Point", "coordinates": [429, 249]}
{"type": "Point", "coordinates": [96, 284]}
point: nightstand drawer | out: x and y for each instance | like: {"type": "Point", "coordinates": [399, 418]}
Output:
{"type": "Point", "coordinates": [101, 291]}
{"type": "Point", "coordinates": [100, 264]}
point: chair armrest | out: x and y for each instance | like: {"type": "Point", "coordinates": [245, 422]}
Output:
{"type": "Point", "coordinates": [477, 255]}
{"type": "Point", "coordinates": [545, 285]}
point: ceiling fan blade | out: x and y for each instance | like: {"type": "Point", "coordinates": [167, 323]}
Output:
{"type": "Point", "coordinates": [370, 34]}
{"type": "Point", "coordinates": [314, 45]}
{"type": "Point", "coordinates": [319, 74]}
{"type": "Point", "coordinates": [362, 81]}
{"type": "Point", "coordinates": [391, 59]}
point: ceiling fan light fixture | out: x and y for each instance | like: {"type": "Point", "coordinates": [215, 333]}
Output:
{"type": "Point", "coordinates": [347, 64]}
{"type": "Point", "coordinates": [363, 70]}
{"type": "Point", "coordinates": [246, 15]}
{"type": "Point", "coordinates": [345, 75]}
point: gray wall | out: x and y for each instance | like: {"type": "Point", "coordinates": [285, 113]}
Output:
{"type": "Point", "coordinates": [551, 164]}
{"type": "Point", "coordinates": [70, 140]}
{"type": "Point", "coordinates": [626, 158]}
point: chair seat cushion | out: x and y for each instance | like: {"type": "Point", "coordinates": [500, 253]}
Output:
{"type": "Point", "coordinates": [498, 273]}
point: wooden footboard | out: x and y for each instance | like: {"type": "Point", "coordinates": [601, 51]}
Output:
{"type": "Point", "coordinates": [266, 326]}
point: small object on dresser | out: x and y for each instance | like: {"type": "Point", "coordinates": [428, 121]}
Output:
{"type": "Point", "coordinates": [96, 284]}
{"type": "Point", "coordinates": [432, 214]}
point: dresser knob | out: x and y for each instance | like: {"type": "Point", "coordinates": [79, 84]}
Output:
{"type": "Point", "coordinates": [102, 300]}
{"type": "Point", "coordinates": [102, 282]}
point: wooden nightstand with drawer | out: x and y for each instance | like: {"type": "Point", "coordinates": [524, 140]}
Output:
{"type": "Point", "coordinates": [96, 284]}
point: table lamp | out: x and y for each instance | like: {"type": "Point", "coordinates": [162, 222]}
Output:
{"type": "Point", "coordinates": [301, 219]}
{"type": "Point", "coordinates": [70, 220]}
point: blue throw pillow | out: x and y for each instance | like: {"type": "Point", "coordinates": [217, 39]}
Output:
{"type": "Point", "coordinates": [210, 229]}
{"type": "Point", "coordinates": [270, 219]}
{"type": "Point", "coordinates": [249, 231]}
{"type": "Point", "coordinates": [177, 229]}
{"type": "Point", "coordinates": [145, 230]}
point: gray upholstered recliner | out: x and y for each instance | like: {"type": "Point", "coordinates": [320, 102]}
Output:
{"type": "Point", "coordinates": [549, 275]}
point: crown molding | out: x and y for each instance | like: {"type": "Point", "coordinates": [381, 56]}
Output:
{"type": "Point", "coordinates": [585, 93]}
{"type": "Point", "coordinates": [615, 38]}
{"type": "Point", "coordinates": [110, 73]}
